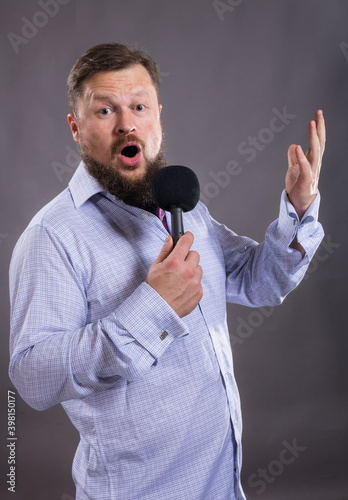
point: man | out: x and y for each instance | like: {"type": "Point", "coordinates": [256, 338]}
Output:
{"type": "Point", "coordinates": [128, 333]}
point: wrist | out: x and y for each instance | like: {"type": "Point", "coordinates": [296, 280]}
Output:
{"type": "Point", "coordinates": [301, 207]}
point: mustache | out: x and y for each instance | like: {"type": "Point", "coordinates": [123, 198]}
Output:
{"type": "Point", "coordinates": [123, 140]}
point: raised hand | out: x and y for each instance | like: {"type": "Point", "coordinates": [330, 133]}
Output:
{"type": "Point", "coordinates": [301, 181]}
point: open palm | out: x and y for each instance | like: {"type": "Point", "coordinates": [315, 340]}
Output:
{"type": "Point", "coordinates": [301, 181]}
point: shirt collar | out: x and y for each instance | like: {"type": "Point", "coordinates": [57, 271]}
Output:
{"type": "Point", "coordinates": [83, 186]}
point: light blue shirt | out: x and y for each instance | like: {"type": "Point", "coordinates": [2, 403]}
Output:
{"type": "Point", "coordinates": [152, 395]}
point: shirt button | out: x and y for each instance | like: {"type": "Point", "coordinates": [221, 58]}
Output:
{"type": "Point", "coordinates": [234, 422]}
{"type": "Point", "coordinates": [144, 215]}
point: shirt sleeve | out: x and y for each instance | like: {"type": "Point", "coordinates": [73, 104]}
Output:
{"type": "Point", "coordinates": [263, 274]}
{"type": "Point", "coordinates": [55, 354]}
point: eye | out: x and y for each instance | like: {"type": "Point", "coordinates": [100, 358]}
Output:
{"type": "Point", "coordinates": [140, 107]}
{"type": "Point", "coordinates": [105, 111]}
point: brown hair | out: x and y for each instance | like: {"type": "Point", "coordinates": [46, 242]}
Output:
{"type": "Point", "coordinates": [106, 57]}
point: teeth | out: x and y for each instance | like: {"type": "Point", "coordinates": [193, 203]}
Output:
{"type": "Point", "coordinates": [129, 151]}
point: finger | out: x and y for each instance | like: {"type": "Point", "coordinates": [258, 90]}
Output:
{"type": "Point", "coordinates": [321, 129]}
{"type": "Point", "coordinates": [193, 258]}
{"type": "Point", "coordinates": [165, 250]}
{"type": "Point", "coordinates": [292, 158]}
{"type": "Point", "coordinates": [303, 163]}
{"type": "Point", "coordinates": [183, 246]}
{"type": "Point", "coordinates": [293, 168]}
{"type": "Point", "coordinates": [313, 153]}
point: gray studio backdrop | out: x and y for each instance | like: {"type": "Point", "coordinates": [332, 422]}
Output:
{"type": "Point", "coordinates": [227, 68]}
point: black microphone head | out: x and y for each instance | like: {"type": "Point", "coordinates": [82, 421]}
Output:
{"type": "Point", "coordinates": [175, 186]}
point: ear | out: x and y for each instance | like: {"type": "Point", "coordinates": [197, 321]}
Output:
{"type": "Point", "coordinates": [72, 120]}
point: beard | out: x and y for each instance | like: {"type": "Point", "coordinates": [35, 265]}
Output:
{"type": "Point", "coordinates": [138, 192]}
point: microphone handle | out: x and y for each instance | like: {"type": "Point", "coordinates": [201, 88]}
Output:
{"type": "Point", "coordinates": [177, 223]}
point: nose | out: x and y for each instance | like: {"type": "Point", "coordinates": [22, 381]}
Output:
{"type": "Point", "coordinates": [125, 123]}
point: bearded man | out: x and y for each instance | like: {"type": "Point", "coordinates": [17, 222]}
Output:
{"type": "Point", "coordinates": [128, 333]}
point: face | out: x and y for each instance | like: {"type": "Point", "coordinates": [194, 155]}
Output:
{"type": "Point", "coordinates": [119, 131]}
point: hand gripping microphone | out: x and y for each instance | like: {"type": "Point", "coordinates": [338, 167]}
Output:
{"type": "Point", "coordinates": [176, 189]}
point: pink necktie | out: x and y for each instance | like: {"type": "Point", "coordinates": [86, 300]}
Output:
{"type": "Point", "coordinates": [161, 214]}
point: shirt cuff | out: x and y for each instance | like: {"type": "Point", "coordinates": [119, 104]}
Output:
{"type": "Point", "coordinates": [150, 320]}
{"type": "Point", "coordinates": [290, 226]}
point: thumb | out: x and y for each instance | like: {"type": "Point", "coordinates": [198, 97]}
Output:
{"type": "Point", "coordinates": [293, 171]}
{"type": "Point", "coordinates": [292, 158]}
{"type": "Point", "coordinates": [166, 249]}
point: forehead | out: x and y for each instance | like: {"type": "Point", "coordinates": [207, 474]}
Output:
{"type": "Point", "coordinates": [132, 80]}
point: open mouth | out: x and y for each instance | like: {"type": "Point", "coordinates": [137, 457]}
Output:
{"type": "Point", "coordinates": [129, 151]}
{"type": "Point", "coordinates": [130, 154]}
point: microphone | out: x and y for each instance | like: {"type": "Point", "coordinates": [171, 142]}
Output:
{"type": "Point", "coordinates": [176, 189]}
